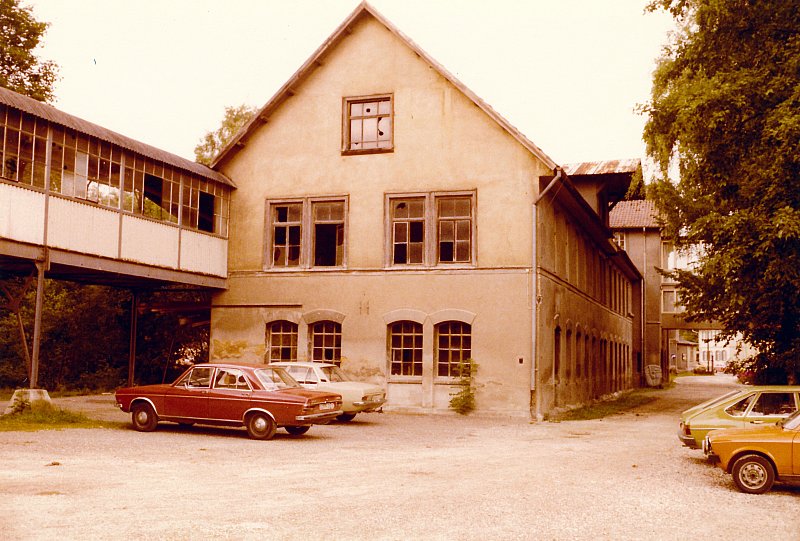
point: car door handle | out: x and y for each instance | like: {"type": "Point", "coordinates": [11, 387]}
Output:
{"type": "Point", "coordinates": [756, 422]}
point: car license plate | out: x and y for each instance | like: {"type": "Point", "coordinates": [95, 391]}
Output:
{"type": "Point", "coordinates": [326, 406]}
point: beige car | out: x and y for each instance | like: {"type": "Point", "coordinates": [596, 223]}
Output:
{"type": "Point", "coordinates": [357, 396]}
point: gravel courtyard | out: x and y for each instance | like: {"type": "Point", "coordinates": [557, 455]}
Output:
{"type": "Point", "coordinates": [385, 476]}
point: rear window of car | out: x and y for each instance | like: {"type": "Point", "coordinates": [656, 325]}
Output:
{"type": "Point", "coordinates": [276, 378]}
{"type": "Point", "coordinates": [739, 408]}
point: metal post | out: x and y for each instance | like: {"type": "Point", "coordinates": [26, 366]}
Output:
{"type": "Point", "coordinates": [132, 350]}
{"type": "Point", "coordinates": [37, 324]}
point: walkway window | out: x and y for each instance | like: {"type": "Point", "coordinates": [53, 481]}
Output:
{"type": "Point", "coordinates": [326, 342]}
{"type": "Point", "coordinates": [405, 348]}
{"type": "Point", "coordinates": [281, 341]}
{"type": "Point", "coordinates": [453, 348]}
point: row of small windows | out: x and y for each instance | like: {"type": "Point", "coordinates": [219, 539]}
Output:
{"type": "Point", "coordinates": [423, 229]}
{"type": "Point", "coordinates": [453, 341]}
{"type": "Point", "coordinates": [603, 364]}
{"type": "Point", "coordinates": [583, 266]}
{"type": "Point", "coordinates": [84, 167]}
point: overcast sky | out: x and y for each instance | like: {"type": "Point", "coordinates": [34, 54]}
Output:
{"type": "Point", "coordinates": [567, 73]}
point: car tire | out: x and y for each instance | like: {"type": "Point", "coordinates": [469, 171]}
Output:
{"type": "Point", "coordinates": [260, 426]}
{"type": "Point", "coordinates": [143, 417]}
{"type": "Point", "coordinates": [753, 474]}
{"type": "Point", "coordinates": [345, 417]}
{"type": "Point", "coordinates": [297, 430]}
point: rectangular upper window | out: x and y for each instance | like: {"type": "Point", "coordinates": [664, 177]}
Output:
{"type": "Point", "coordinates": [306, 233]}
{"type": "Point", "coordinates": [431, 229]}
{"type": "Point", "coordinates": [367, 125]}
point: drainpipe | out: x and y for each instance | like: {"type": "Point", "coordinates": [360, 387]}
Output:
{"type": "Point", "coordinates": [536, 297]}
{"type": "Point", "coordinates": [644, 304]}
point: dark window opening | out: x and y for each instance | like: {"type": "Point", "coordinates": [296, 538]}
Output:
{"type": "Point", "coordinates": [153, 195]}
{"type": "Point", "coordinates": [205, 220]}
{"type": "Point", "coordinates": [328, 245]}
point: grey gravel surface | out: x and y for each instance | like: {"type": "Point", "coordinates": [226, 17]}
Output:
{"type": "Point", "coordinates": [386, 476]}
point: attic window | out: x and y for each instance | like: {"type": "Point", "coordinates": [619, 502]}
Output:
{"type": "Point", "coordinates": [367, 125]}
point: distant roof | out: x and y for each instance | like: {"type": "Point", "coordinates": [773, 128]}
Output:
{"type": "Point", "coordinates": [633, 214]}
{"type": "Point", "coordinates": [50, 113]}
{"type": "Point", "coordinates": [608, 167]}
{"type": "Point", "coordinates": [316, 60]}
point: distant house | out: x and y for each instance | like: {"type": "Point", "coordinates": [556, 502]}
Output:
{"type": "Point", "coordinates": [388, 220]}
{"type": "Point", "coordinates": [637, 231]}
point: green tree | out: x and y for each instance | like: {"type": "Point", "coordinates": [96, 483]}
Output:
{"type": "Point", "coordinates": [724, 122]}
{"type": "Point", "coordinates": [214, 141]}
{"type": "Point", "coordinates": [20, 69]}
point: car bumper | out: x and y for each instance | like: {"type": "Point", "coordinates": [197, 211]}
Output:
{"type": "Point", "coordinates": [318, 418]}
{"type": "Point", "coordinates": [688, 441]}
{"type": "Point", "coordinates": [363, 406]}
{"type": "Point", "coordinates": [709, 451]}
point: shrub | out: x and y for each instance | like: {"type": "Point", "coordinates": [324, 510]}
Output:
{"type": "Point", "coordinates": [463, 401]}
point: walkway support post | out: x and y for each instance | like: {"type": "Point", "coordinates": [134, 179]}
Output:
{"type": "Point", "coordinates": [132, 349]}
{"type": "Point", "coordinates": [37, 324]}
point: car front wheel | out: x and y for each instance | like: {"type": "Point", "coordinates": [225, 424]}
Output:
{"type": "Point", "coordinates": [143, 417]}
{"type": "Point", "coordinates": [260, 426]}
{"type": "Point", "coordinates": [297, 430]}
{"type": "Point", "coordinates": [753, 474]}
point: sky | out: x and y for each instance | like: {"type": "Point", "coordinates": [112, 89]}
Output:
{"type": "Point", "coordinates": [567, 73]}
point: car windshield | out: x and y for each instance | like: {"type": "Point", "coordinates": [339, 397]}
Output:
{"type": "Point", "coordinates": [334, 374]}
{"type": "Point", "coordinates": [273, 378]}
{"type": "Point", "coordinates": [793, 421]}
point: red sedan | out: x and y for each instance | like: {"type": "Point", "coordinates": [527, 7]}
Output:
{"type": "Point", "coordinates": [259, 397]}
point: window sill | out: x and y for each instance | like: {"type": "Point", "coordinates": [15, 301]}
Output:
{"type": "Point", "coordinates": [367, 151]}
{"type": "Point", "coordinates": [439, 266]}
{"type": "Point", "coordinates": [405, 379]}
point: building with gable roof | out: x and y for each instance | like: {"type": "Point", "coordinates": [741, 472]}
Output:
{"type": "Point", "coordinates": [388, 220]}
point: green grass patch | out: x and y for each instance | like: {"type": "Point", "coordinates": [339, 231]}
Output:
{"type": "Point", "coordinates": [606, 408]}
{"type": "Point", "coordinates": [45, 416]}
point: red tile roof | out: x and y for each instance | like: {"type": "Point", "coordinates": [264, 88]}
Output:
{"type": "Point", "coordinates": [633, 214]}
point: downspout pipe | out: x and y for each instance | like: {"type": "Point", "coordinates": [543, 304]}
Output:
{"type": "Point", "coordinates": [643, 307]}
{"type": "Point", "coordinates": [535, 301]}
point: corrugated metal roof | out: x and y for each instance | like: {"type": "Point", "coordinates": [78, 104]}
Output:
{"type": "Point", "coordinates": [51, 114]}
{"type": "Point", "coordinates": [608, 167]}
{"type": "Point", "coordinates": [633, 214]}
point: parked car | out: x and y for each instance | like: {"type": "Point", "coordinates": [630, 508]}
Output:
{"type": "Point", "coordinates": [259, 397]}
{"type": "Point", "coordinates": [357, 396]}
{"type": "Point", "coordinates": [757, 457]}
{"type": "Point", "coordinates": [748, 406]}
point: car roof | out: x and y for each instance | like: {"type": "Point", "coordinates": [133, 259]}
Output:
{"type": "Point", "coordinates": [771, 388]}
{"type": "Point", "coordinates": [302, 363]}
{"type": "Point", "coordinates": [233, 365]}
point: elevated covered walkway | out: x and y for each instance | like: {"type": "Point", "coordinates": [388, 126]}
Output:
{"type": "Point", "coordinates": [82, 203]}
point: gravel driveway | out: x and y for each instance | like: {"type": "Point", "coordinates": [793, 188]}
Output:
{"type": "Point", "coordinates": [386, 476]}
